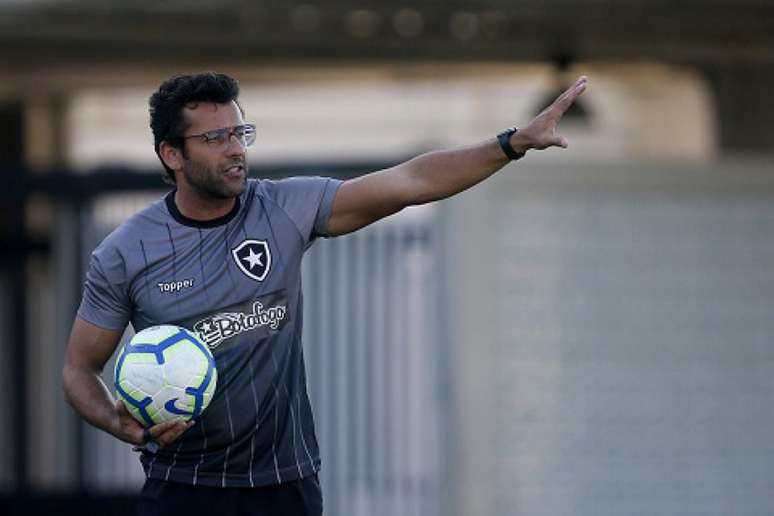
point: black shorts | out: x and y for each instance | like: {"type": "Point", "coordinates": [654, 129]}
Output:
{"type": "Point", "coordinates": [298, 498]}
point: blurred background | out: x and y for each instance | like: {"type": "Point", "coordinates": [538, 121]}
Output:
{"type": "Point", "coordinates": [588, 332]}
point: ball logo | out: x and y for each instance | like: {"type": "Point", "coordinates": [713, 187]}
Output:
{"type": "Point", "coordinates": [253, 258]}
{"type": "Point", "coordinates": [173, 409]}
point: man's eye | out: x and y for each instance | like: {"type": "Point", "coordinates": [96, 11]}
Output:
{"type": "Point", "coordinates": [214, 136]}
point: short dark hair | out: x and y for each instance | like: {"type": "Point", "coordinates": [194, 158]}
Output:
{"type": "Point", "coordinates": [166, 106]}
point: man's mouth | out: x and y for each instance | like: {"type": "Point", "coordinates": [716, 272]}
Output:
{"type": "Point", "coordinates": [236, 169]}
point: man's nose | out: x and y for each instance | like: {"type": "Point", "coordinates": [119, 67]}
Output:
{"type": "Point", "coordinates": [235, 145]}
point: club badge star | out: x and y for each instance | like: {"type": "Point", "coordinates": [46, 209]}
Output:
{"type": "Point", "coordinates": [253, 259]}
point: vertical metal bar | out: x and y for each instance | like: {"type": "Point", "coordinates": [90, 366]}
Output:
{"type": "Point", "coordinates": [415, 350]}
{"type": "Point", "coordinates": [20, 377]}
{"type": "Point", "coordinates": [378, 369]}
{"type": "Point", "coordinates": [7, 394]}
{"type": "Point", "coordinates": [387, 364]}
{"type": "Point", "coordinates": [66, 267]}
{"type": "Point", "coordinates": [391, 353]}
{"type": "Point", "coordinates": [19, 336]}
{"type": "Point", "coordinates": [341, 379]}
{"type": "Point", "coordinates": [399, 371]}
{"type": "Point", "coordinates": [328, 453]}
{"type": "Point", "coordinates": [437, 369]}
{"type": "Point", "coordinates": [441, 242]}
{"type": "Point", "coordinates": [361, 317]}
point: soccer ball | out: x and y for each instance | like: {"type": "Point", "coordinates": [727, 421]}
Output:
{"type": "Point", "coordinates": [165, 372]}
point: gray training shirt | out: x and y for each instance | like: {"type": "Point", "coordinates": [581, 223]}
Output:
{"type": "Point", "coordinates": [237, 282]}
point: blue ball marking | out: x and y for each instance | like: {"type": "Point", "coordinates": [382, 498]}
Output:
{"type": "Point", "coordinates": [158, 349]}
{"type": "Point", "coordinates": [140, 405]}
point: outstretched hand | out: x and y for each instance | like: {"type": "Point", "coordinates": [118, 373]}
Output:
{"type": "Point", "coordinates": [541, 133]}
{"type": "Point", "coordinates": [131, 431]}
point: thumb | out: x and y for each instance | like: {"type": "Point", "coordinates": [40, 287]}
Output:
{"type": "Point", "coordinates": [560, 141]}
{"type": "Point", "coordinates": [121, 408]}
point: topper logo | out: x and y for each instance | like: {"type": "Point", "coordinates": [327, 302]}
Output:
{"type": "Point", "coordinates": [174, 286]}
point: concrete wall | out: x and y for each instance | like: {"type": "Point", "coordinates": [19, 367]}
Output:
{"type": "Point", "coordinates": [613, 342]}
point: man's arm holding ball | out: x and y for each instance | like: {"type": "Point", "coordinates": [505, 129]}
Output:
{"type": "Point", "coordinates": [88, 350]}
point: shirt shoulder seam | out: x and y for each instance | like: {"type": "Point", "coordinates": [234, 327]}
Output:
{"type": "Point", "coordinates": [279, 207]}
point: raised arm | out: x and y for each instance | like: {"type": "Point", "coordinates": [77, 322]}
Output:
{"type": "Point", "coordinates": [440, 174]}
{"type": "Point", "coordinates": [89, 349]}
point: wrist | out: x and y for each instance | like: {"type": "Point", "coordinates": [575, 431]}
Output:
{"type": "Point", "coordinates": [124, 426]}
{"type": "Point", "coordinates": [520, 143]}
{"type": "Point", "coordinates": [116, 428]}
{"type": "Point", "coordinates": [512, 144]}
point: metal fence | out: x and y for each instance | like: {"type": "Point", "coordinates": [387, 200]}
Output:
{"type": "Point", "coordinates": [372, 330]}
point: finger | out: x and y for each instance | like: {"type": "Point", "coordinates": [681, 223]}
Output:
{"type": "Point", "coordinates": [577, 87]}
{"type": "Point", "coordinates": [157, 431]}
{"type": "Point", "coordinates": [171, 435]}
{"type": "Point", "coordinates": [566, 99]}
{"type": "Point", "coordinates": [172, 432]}
{"type": "Point", "coordinates": [555, 141]}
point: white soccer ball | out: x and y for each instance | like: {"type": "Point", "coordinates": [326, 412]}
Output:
{"type": "Point", "coordinates": [165, 372]}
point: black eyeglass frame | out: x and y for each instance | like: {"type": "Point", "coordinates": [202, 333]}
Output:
{"type": "Point", "coordinates": [246, 138]}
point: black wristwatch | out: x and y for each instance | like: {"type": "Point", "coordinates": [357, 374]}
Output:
{"type": "Point", "coordinates": [504, 139]}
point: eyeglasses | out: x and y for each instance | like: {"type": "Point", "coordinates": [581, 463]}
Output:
{"type": "Point", "coordinates": [220, 138]}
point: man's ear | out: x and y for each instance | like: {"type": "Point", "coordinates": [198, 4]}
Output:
{"type": "Point", "coordinates": [171, 155]}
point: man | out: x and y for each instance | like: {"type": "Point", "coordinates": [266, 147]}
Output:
{"type": "Point", "coordinates": [235, 245]}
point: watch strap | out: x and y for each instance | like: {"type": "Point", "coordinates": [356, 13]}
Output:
{"type": "Point", "coordinates": [504, 139]}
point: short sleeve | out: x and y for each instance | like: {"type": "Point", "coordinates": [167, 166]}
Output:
{"type": "Point", "coordinates": [105, 299]}
{"type": "Point", "coordinates": [308, 201]}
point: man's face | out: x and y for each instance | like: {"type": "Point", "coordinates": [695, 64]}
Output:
{"type": "Point", "coordinates": [213, 171]}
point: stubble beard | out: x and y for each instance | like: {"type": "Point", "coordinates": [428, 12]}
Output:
{"type": "Point", "coordinates": [210, 183]}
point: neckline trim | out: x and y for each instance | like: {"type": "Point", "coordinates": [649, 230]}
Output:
{"type": "Point", "coordinates": [169, 199]}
